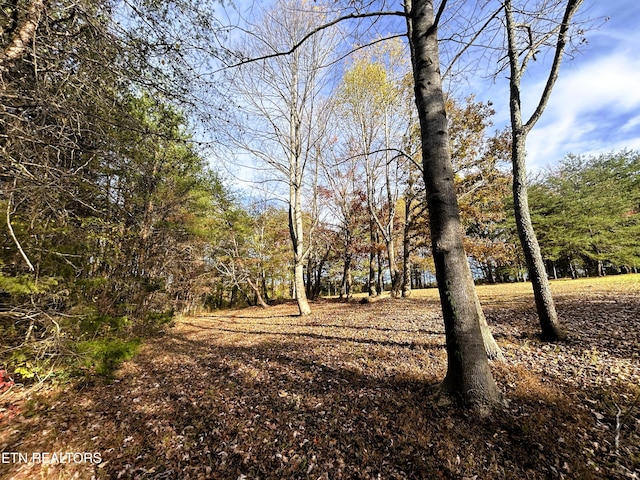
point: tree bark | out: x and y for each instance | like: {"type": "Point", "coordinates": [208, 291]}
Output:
{"type": "Point", "coordinates": [22, 36]}
{"type": "Point", "coordinates": [545, 306]}
{"type": "Point", "coordinates": [469, 377]}
{"type": "Point", "coordinates": [406, 245]}
{"type": "Point", "coordinates": [379, 272]}
{"type": "Point", "coordinates": [296, 230]}
{"type": "Point", "coordinates": [296, 227]}
{"type": "Point", "coordinates": [394, 272]}
{"type": "Point", "coordinates": [259, 300]}
{"type": "Point", "coordinates": [345, 286]}
{"type": "Point", "coordinates": [491, 347]}
{"type": "Point", "coordinates": [373, 291]}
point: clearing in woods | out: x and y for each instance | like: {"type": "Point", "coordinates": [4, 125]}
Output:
{"type": "Point", "coordinates": [347, 393]}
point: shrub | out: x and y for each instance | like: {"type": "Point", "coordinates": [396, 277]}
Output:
{"type": "Point", "coordinates": [104, 356]}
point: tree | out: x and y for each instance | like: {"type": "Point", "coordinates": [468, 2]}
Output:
{"type": "Point", "coordinates": [106, 198]}
{"type": "Point", "coordinates": [586, 210]}
{"type": "Point", "coordinates": [347, 205]}
{"type": "Point", "coordinates": [468, 376]}
{"type": "Point", "coordinates": [237, 255]}
{"type": "Point", "coordinates": [370, 101]}
{"type": "Point", "coordinates": [280, 98]}
{"type": "Point", "coordinates": [524, 41]}
{"type": "Point", "coordinates": [483, 186]}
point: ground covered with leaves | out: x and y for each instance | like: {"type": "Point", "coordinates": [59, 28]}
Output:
{"type": "Point", "coordinates": [348, 392]}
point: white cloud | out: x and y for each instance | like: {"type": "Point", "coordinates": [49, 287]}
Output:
{"type": "Point", "coordinates": [631, 125]}
{"type": "Point", "coordinates": [593, 109]}
{"type": "Point", "coordinates": [595, 105]}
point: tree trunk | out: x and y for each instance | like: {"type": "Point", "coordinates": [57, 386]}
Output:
{"type": "Point", "coordinates": [416, 274]}
{"type": "Point", "coordinates": [491, 277]}
{"type": "Point", "coordinates": [22, 36]}
{"type": "Point", "coordinates": [256, 290]}
{"type": "Point", "coordinates": [234, 296]}
{"type": "Point", "coordinates": [545, 306]}
{"type": "Point", "coordinates": [263, 285]}
{"type": "Point", "coordinates": [490, 346]}
{"type": "Point", "coordinates": [372, 259]}
{"type": "Point", "coordinates": [406, 250]}
{"type": "Point", "coordinates": [345, 286]}
{"type": "Point", "coordinates": [469, 377]}
{"type": "Point", "coordinates": [317, 286]}
{"type": "Point", "coordinates": [310, 277]}
{"type": "Point", "coordinates": [396, 278]}
{"type": "Point", "coordinates": [296, 231]}
{"type": "Point", "coordinates": [379, 273]}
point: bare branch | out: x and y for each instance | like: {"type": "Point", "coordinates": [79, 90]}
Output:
{"type": "Point", "coordinates": [311, 33]}
{"type": "Point", "coordinates": [471, 42]}
{"type": "Point", "coordinates": [436, 22]}
{"type": "Point", "coordinates": [12, 233]}
{"type": "Point", "coordinates": [572, 7]}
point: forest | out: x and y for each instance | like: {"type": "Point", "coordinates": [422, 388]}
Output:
{"type": "Point", "coordinates": [167, 168]}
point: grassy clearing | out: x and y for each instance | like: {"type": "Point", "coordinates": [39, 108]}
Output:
{"type": "Point", "coordinates": [348, 393]}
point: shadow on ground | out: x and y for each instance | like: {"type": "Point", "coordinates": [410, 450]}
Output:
{"type": "Point", "coordinates": [339, 395]}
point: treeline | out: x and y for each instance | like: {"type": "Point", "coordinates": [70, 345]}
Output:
{"type": "Point", "coordinates": [586, 211]}
{"type": "Point", "coordinates": [109, 210]}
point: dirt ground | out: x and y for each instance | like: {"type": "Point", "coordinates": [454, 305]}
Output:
{"type": "Point", "coordinates": [348, 393]}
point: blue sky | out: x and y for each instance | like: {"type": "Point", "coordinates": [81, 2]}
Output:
{"type": "Point", "coordinates": [595, 105]}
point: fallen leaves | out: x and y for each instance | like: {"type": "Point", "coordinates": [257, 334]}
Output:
{"type": "Point", "coordinates": [348, 393]}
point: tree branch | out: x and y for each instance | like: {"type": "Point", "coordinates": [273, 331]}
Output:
{"type": "Point", "coordinates": [572, 7]}
{"type": "Point", "coordinates": [470, 42]}
{"type": "Point", "coordinates": [12, 233]}
{"type": "Point", "coordinates": [311, 33]}
{"type": "Point", "coordinates": [436, 22]}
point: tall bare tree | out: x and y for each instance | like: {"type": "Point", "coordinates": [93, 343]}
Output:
{"type": "Point", "coordinates": [528, 31]}
{"type": "Point", "coordinates": [371, 102]}
{"type": "Point", "coordinates": [280, 99]}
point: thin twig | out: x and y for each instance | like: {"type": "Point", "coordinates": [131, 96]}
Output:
{"type": "Point", "coordinates": [12, 233]}
{"type": "Point", "coordinates": [617, 441]}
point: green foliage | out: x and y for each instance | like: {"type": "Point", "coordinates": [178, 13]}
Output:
{"type": "Point", "coordinates": [21, 285]}
{"type": "Point", "coordinates": [155, 322]}
{"type": "Point", "coordinates": [95, 324]}
{"type": "Point", "coordinates": [587, 211]}
{"type": "Point", "coordinates": [107, 195]}
{"type": "Point", "coordinates": [24, 285]}
{"type": "Point", "coordinates": [105, 355]}
{"type": "Point", "coordinates": [22, 363]}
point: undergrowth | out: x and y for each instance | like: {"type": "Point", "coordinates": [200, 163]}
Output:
{"type": "Point", "coordinates": [56, 329]}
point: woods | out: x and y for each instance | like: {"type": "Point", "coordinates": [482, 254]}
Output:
{"type": "Point", "coordinates": [166, 160]}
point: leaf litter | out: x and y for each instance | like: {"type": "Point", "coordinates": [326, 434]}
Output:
{"type": "Point", "coordinates": [348, 392]}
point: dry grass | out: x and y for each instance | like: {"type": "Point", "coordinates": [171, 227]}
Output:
{"type": "Point", "coordinates": [347, 393]}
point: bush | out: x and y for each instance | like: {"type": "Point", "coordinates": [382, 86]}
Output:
{"type": "Point", "coordinates": [96, 324]}
{"type": "Point", "coordinates": [104, 356]}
